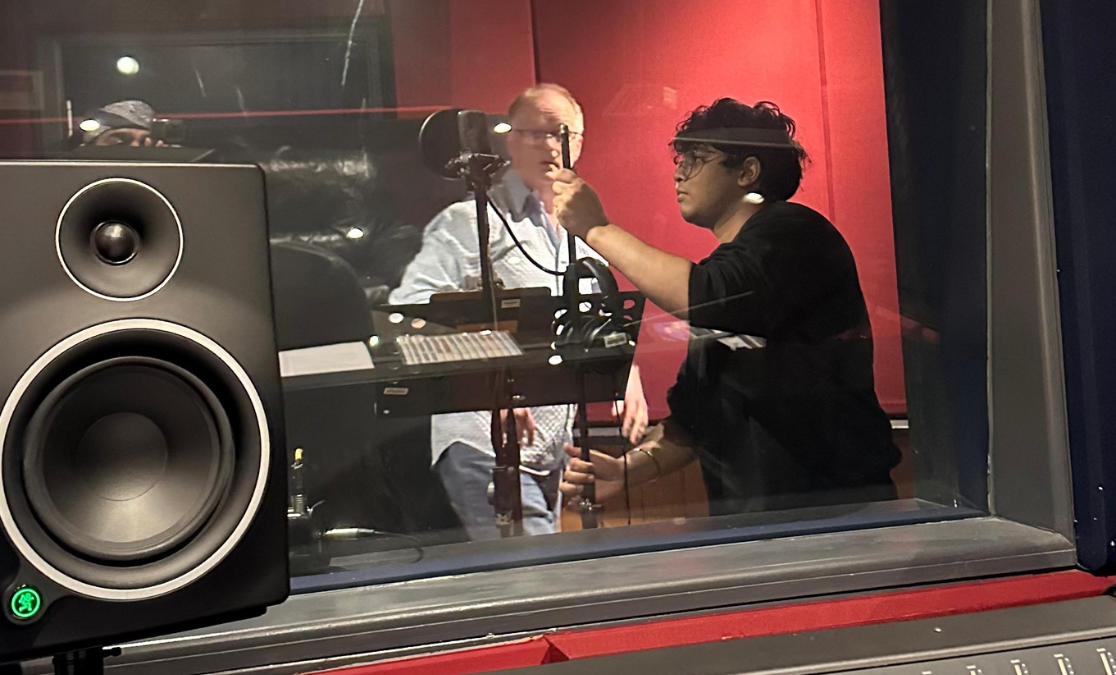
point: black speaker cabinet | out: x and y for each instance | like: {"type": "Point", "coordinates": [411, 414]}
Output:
{"type": "Point", "coordinates": [142, 477]}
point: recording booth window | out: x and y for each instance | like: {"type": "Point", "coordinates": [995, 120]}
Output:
{"type": "Point", "coordinates": [814, 331]}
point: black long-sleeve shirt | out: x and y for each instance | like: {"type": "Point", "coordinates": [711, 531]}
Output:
{"type": "Point", "coordinates": [777, 386]}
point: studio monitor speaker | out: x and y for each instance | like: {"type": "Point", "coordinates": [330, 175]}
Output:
{"type": "Point", "coordinates": [142, 472]}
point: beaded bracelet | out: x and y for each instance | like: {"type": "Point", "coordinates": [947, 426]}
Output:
{"type": "Point", "coordinates": [658, 467]}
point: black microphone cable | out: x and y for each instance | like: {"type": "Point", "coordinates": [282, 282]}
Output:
{"type": "Point", "coordinates": [520, 246]}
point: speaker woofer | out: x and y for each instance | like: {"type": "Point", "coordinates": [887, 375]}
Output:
{"type": "Point", "coordinates": [119, 239]}
{"type": "Point", "coordinates": [135, 456]}
{"type": "Point", "coordinates": [127, 459]}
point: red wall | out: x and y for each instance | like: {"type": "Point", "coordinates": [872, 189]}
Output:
{"type": "Point", "coordinates": [420, 36]}
{"type": "Point", "coordinates": [493, 52]}
{"type": "Point", "coordinates": [638, 66]}
{"type": "Point", "coordinates": [475, 54]}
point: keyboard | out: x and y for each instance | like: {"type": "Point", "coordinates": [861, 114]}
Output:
{"type": "Point", "coordinates": [422, 349]}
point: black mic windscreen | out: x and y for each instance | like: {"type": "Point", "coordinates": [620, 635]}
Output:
{"type": "Point", "coordinates": [440, 142]}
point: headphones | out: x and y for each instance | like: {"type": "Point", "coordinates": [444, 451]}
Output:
{"type": "Point", "coordinates": [605, 323]}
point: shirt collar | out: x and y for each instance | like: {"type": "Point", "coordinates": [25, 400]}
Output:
{"type": "Point", "coordinates": [512, 195]}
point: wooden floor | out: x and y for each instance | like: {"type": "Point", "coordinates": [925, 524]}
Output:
{"type": "Point", "coordinates": [677, 495]}
{"type": "Point", "coordinates": [682, 495]}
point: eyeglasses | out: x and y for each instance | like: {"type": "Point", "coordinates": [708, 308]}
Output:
{"type": "Point", "coordinates": [541, 136]}
{"type": "Point", "coordinates": [690, 163]}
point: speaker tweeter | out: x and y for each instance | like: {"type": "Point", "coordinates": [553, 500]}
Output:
{"type": "Point", "coordinates": [119, 239]}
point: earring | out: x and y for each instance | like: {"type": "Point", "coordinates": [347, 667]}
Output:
{"type": "Point", "coordinates": [754, 198]}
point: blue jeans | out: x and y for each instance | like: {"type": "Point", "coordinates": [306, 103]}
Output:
{"type": "Point", "coordinates": [466, 473]}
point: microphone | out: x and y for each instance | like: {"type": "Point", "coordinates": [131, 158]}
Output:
{"type": "Point", "coordinates": [455, 143]}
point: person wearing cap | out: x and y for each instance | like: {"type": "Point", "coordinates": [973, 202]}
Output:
{"type": "Point", "coordinates": [776, 397]}
{"type": "Point", "coordinates": [120, 123]}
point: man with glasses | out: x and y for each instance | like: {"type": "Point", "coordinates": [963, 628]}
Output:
{"type": "Point", "coordinates": [776, 397]}
{"type": "Point", "coordinates": [449, 261]}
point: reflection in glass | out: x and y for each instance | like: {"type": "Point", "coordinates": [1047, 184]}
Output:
{"type": "Point", "coordinates": [821, 368]}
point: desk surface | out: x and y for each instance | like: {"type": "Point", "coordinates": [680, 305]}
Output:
{"type": "Point", "coordinates": [542, 375]}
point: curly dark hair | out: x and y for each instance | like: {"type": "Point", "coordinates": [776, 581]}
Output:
{"type": "Point", "coordinates": [780, 168]}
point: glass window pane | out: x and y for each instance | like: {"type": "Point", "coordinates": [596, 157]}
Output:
{"type": "Point", "coordinates": [782, 326]}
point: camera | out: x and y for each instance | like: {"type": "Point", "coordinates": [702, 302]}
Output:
{"type": "Point", "coordinates": [170, 132]}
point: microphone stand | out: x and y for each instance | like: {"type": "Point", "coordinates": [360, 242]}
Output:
{"type": "Point", "coordinates": [478, 170]}
{"type": "Point", "coordinates": [587, 505]}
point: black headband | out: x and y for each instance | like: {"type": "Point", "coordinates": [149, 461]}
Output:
{"type": "Point", "coordinates": [757, 138]}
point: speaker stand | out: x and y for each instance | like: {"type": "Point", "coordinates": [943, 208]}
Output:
{"type": "Point", "coordinates": [83, 661]}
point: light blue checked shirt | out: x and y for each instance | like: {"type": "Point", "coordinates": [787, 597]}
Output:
{"type": "Point", "coordinates": [449, 261]}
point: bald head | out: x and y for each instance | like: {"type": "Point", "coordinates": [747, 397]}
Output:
{"type": "Point", "coordinates": [533, 96]}
{"type": "Point", "coordinates": [536, 116]}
